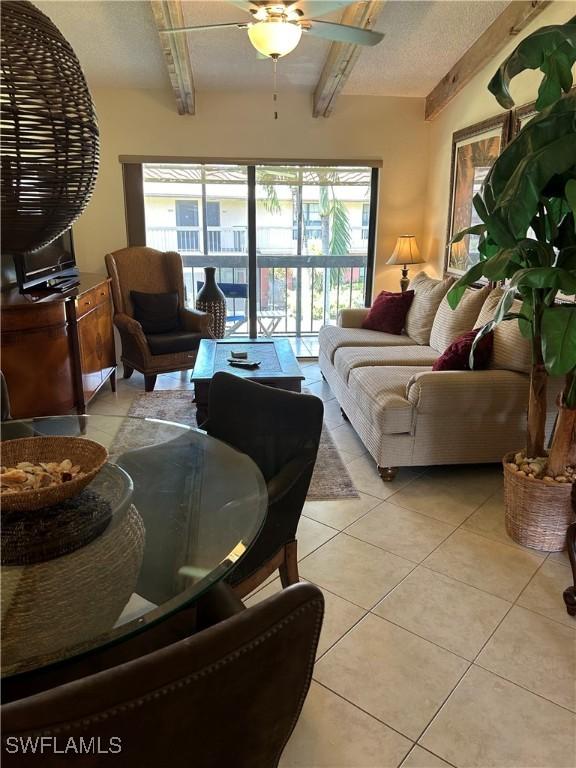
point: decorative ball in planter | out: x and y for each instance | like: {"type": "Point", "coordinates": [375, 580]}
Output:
{"type": "Point", "coordinates": [50, 139]}
{"type": "Point", "coordinates": [211, 299]}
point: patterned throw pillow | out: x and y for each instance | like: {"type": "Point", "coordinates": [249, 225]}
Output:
{"type": "Point", "coordinates": [512, 352]}
{"type": "Point", "coordinates": [428, 294]}
{"type": "Point", "coordinates": [457, 356]}
{"type": "Point", "coordinates": [388, 312]}
{"type": "Point", "coordinates": [450, 323]}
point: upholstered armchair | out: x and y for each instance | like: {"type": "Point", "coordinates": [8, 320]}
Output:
{"type": "Point", "coordinates": [149, 271]}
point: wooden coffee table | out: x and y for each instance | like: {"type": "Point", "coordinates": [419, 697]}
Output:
{"type": "Point", "coordinates": [278, 367]}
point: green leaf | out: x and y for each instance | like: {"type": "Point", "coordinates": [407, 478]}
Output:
{"type": "Point", "coordinates": [558, 77]}
{"type": "Point", "coordinates": [544, 150]}
{"type": "Point", "coordinates": [525, 319]}
{"type": "Point", "coordinates": [498, 267]}
{"type": "Point", "coordinates": [567, 258]}
{"type": "Point", "coordinates": [341, 235]}
{"type": "Point", "coordinates": [546, 277]}
{"type": "Point", "coordinates": [570, 192]}
{"type": "Point", "coordinates": [545, 49]}
{"type": "Point", "coordinates": [559, 339]}
{"type": "Point", "coordinates": [503, 306]}
{"type": "Point", "coordinates": [457, 291]}
{"type": "Point", "coordinates": [477, 229]}
{"type": "Point", "coordinates": [519, 199]}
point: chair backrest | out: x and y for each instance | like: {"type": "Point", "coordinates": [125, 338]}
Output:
{"type": "Point", "coordinates": [229, 695]}
{"type": "Point", "coordinates": [269, 424]}
{"type": "Point", "coordinates": [5, 398]}
{"type": "Point", "coordinates": [230, 290]}
{"type": "Point", "coordinates": [146, 270]}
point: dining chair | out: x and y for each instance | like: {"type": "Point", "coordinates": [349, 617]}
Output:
{"type": "Point", "coordinates": [280, 431]}
{"type": "Point", "coordinates": [229, 695]}
{"type": "Point", "coordinates": [4, 398]}
{"type": "Point", "coordinates": [151, 272]}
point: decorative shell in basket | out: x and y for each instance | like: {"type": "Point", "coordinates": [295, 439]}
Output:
{"type": "Point", "coordinates": [43, 471]}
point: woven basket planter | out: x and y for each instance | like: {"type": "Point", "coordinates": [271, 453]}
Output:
{"type": "Point", "coordinates": [538, 513]}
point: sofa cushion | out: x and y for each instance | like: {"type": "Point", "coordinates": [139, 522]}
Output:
{"type": "Point", "coordinates": [380, 393]}
{"type": "Point", "coordinates": [348, 358]}
{"type": "Point", "coordinates": [388, 312]}
{"type": "Point", "coordinates": [428, 294]}
{"type": "Point", "coordinates": [332, 337]}
{"type": "Point", "coordinates": [457, 356]}
{"type": "Point", "coordinates": [511, 351]}
{"type": "Point", "coordinates": [450, 323]}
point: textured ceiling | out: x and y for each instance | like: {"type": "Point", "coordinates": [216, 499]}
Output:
{"type": "Point", "coordinates": [115, 40]}
{"type": "Point", "coordinates": [118, 46]}
{"type": "Point", "coordinates": [423, 41]}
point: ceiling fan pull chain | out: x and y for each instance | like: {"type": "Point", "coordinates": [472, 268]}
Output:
{"type": "Point", "coordinates": [275, 94]}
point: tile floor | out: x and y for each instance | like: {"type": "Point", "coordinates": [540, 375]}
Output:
{"type": "Point", "coordinates": [444, 643]}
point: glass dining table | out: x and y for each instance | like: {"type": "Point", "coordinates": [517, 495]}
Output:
{"type": "Point", "coordinates": [168, 517]}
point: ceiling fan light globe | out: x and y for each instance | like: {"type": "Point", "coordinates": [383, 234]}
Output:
{"type": "Point", "coordinates": [274, 37]}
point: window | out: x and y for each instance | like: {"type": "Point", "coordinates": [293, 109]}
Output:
{"type": "Point", "coordinates": [312, 250]}
{"type": "Point", "coordinates": [213, 213]}
{"type": "Point", "coordinates": [213, 225]}
{"type": "Point", "coordinates": [187, 217]}
{"type": "Point", "coordinates": [365, 220]}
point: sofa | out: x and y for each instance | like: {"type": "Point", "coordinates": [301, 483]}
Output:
{"type": "Point", "coordinates": [405, 413]}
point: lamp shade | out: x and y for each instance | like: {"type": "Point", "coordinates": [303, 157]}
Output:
{"type": "Point", "coordinates": [274, 37]}
{"type": "Point", "coordinates": [406, 251]}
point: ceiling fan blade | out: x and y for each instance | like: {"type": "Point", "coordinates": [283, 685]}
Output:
{"type": "Point", "coordinates": [342, 33]}
{"type": "Point", "coordinates": [309, 8]}
{"type": "Point", "coordinates": [247, 5]}
{"type": "Point", "coordinates": [238, 25]}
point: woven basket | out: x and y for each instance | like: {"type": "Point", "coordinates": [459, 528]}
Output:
{"type": "Point", "coordinates": [90, 456]}
{"type": "Point", "coordinates": [54, 610]}
{"type": "Point", "coordinates": [538, 513]}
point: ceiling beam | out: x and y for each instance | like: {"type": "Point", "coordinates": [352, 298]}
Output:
{"type": "Point", "coordinates": [167, 15]}
{"type": "Point", "coordinates": [504, 29]}
{"type": "Point", "coordinates": [343, 56]}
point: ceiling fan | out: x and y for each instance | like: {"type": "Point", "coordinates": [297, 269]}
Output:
{"type": "Point", "coordinates": [276, 27]}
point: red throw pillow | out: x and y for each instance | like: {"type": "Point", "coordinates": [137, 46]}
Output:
{"type": "Point", "coordinates": [457, 356]}
{"type": "Point", "coordinates": [388, 312]}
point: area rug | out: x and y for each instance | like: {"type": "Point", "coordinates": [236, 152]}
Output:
{"type": "Point", "coordinates": [329, 481]}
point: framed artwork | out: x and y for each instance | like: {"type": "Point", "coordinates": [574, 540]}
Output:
{"type": "Point", "coordinates": [474, 150]}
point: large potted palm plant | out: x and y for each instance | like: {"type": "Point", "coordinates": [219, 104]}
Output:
{"type": "Point", "coordinates": [527, 206]}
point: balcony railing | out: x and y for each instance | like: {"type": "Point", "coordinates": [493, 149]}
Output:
{"type": "Point", "coordinates": [235, 239]}
{"type": "Point", "coordinates": [296, 295]}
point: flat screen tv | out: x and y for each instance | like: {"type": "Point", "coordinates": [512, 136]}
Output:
{"type": "Point", "coordinates": [52, 267]}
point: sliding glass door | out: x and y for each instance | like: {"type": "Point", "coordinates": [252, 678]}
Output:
{"type": "Point", "coordinates": [201, 212]}
{"type": "Point", "coordinates": [308, 254]}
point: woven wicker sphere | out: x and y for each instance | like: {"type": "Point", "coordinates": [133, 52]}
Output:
{"type": "Point", "coordinates": [50, 140]}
